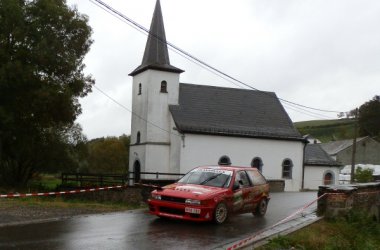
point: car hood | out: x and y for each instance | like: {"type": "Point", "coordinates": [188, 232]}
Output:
{"type": "Point", "coordinates": [190, 191]}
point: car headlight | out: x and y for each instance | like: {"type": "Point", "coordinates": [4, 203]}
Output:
{"type": "Point", "coordinates": [193, 202]}
{"type": "Point", "coordinates": [156, 196]}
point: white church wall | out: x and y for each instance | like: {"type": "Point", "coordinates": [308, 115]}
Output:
{"type": "Point", "coordinates": [137, 153]}
{"type": "Point", "coordinates": [139, 106]}
{"type": "Point", "coordinates": [314, 176]}
{"type": "Point", "coordinates": [175, 150]}
{"type": "Point", "coordinates": [152, 105]}
{"type": "Point", "coordinates": [158, 160]}
{"type": "Point", "coordinates": [152, 158]}
{"type": "Point", "coordinates": [206, 150]}
{"type": "Point", "coordinates": [154, 123]}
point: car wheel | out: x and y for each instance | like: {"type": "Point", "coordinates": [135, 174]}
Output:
{"type": "Point", "coordinates": [220, 213]}
{"type": "Point", "coordinates": [261, 208]}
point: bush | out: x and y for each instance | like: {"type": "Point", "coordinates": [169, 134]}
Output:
{"type": "Point", "coordinates": [363, 175]}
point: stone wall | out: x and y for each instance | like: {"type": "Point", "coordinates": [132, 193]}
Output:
{"type": "Point", "coordinates": [276, 185]}
{"type": "Point", "coordinates": [130, 195]}
{"type": "Point", "coordinates": [341, 199]}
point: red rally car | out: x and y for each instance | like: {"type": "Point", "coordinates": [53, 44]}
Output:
{"type": "Point", "coordinates": [212, 193]}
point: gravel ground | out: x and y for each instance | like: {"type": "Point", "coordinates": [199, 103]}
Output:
{"type": "Point", "coordinates": [19, 212]}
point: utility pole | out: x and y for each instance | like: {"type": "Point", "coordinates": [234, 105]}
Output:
{"type": "Point", "coordinates": [354, 146]}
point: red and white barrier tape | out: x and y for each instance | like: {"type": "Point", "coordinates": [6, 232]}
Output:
{"type": "Point", "coordinates": [62, 192]}
{"type": "Point", "coordinates": [248, 240]}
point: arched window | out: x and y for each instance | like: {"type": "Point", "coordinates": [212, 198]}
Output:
{"type": "Point", "coordinates": [164, 87]}
{"type": "Point", "coordinates": [257, 163]}
{"type": "Point", "coordinates": [328, 178]}
{"type": "Point", "coordinates": [138, 137]}
{"type": "Point", "coordinates": [224, 160]}
{"type": "Point", "coordinates": [287, 167]}
{"type": "Point", "coordinates": [140, 89]}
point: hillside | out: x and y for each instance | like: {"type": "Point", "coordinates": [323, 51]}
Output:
{"type": "Point", "coordinates": [327, 130]}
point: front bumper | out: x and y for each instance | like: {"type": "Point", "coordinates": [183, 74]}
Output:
{"type": "Point", "coordinates": [180, 211]}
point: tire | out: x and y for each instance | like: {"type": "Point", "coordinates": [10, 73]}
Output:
{"type": "Point", "coordinates": [261, 208]}
{"type": "Point", "coordinates": [220, 213]}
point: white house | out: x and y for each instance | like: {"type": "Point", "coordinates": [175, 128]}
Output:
{"type": "Point", "coordinates": [178, 126]}
{"type": "Point", "coordinates": [320, 168]}
{"type": "Point", "coordinates": [367, 151]}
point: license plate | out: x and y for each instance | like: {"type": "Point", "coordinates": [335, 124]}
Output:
{"type": "Point", "coordinates": [192, 210]}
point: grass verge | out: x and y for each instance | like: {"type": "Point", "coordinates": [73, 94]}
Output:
{"type": "Point", "coordinates": [36, 208]}
{"type": "Point", "coordinates": [354, 232]}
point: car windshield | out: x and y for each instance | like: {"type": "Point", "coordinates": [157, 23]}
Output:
{"type": "Point", "coordinates": [208, 177]}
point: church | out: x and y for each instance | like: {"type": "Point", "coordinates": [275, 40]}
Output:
{"type": "Point", "coordinates": [179, 126]}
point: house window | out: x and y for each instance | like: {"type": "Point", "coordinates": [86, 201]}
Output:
{"type": "Point", "coordinates": [164, 87]}
{"type": "Point", "coordinates": [140, 88]}
{"type": "Point", "coordinates": [224, 160]}
{"type": "Point", "coordinates": [138, 138]}
{"type": "Point", "coordinates": [287, 166]}
{"type": "Point", "coordinates": [328, 178]}
{"type": "Point", "coordinates": [257, 163]}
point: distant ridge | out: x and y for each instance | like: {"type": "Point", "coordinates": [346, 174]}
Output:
{"type": "Point", "coordinates": [327, 130]}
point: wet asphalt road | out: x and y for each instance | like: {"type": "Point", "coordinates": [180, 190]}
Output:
{"type": "Point", "coordinates": [139, 230]}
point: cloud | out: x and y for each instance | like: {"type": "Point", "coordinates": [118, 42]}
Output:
{"type": "Point", "coordinates": [323, 54]}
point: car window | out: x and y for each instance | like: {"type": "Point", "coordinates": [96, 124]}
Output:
{"type": "Point", "coordinates": [208, 177]}
{"type": "Point", "coordinates": [256, 177]}
{"type": "Point", "coordinates": [242, 175]}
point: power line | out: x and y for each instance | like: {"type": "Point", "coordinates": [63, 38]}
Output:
{"type": "Point", "coordinates": [133, 113]}
{"type": "Point", "coordinates": [307, 112]}
{"type": "Point", "coordinates": [193, 58]}
{"type": "Point", "coordinates": [144, 31]}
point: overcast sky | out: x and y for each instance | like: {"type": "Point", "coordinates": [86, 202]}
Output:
{"type": "Point", "coordinates": [318, 53]}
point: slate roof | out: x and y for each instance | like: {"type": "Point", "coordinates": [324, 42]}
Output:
{"type": "Point", "coordinates": [316, 156]}
{"type": "Point", "coordinates": [232, 112]}
{"type": "Point", "coordinates": [334, 147]}
{"type": "Point", "coordinates": [156, 54]}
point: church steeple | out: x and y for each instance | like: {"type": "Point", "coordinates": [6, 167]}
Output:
{"type": "Point", "coordinates": [156, 54]}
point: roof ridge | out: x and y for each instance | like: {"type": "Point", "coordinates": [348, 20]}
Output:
{"type": "Point", "coordinates": [226, 88]}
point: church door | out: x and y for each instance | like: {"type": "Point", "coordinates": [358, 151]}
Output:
{"type": "Point", "coordinates": [136, 172]}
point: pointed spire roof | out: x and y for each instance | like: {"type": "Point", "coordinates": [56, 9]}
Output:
{"type": "Point", "coordinates": [156, 55]}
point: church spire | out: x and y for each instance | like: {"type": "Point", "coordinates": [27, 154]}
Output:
{"type": "Point", "coordinates": [156, 54]}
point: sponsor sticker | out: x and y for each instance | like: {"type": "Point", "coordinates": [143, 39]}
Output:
{"type": "Point", "coordinates": [217, 171]}
{"type": "Point", "coordinates": [192, 210]}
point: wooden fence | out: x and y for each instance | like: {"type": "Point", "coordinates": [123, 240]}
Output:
{"type": "Point", "coordinates": [100, 180]}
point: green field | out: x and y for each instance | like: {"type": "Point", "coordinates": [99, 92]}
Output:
{"type": "Point", "coordinates": [327, 130]}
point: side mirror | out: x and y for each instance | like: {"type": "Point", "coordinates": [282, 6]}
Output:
{"type": "Point", "coordinates": [236, 186]}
